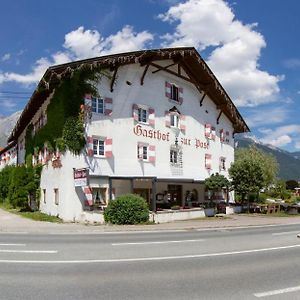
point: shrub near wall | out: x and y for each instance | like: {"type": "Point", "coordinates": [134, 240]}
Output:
{"type": "Point", "coordinates": [127, 209]}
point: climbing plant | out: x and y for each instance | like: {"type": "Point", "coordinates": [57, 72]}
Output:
{"type": "Point", "coordinates": [64, 128]}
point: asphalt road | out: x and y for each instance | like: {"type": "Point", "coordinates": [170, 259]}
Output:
{"type": "Point", "coordinates": [251, 263]}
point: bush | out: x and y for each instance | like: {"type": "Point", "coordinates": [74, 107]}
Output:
{"type": "Point", "coordinates": [262, 198]}
{"type": "Point", "coordinates": [127, 209]}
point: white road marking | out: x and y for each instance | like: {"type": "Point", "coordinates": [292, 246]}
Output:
{"type": "Point", "coordinates": [13, 245]}
{"type": "Point", "coordinates": [157, 242]}
{"type": "Point", "coordinates": [116, 232]}
{"type": "Point", "coordinates": [286, 232]}
{"type": "Point", "coordinates": [28, 251]}
{"type": "Point", "coordinates": [142, 259]}
{"type": "Point", "coordinates": [13, 232]}
{"type": "Point", "coordinates": [277, 292]}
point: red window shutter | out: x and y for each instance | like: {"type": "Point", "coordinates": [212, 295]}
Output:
{"type": "Point", "coordinates": [151, 154]}
{"type": "Point", "coordinates": [151, 116]}
{"type": "Point", "coordinates": [140, 151]}
{"type": "Point", "coordinates": [108, 148]}
{"type": "Point", "coordinates": [168, 89]}
{"type": "Point", "coordinates": [135, 113]}
{"type": "Point", "coordinates": [89, 146]}
{"type": "Point", "coordinates": [182, 123]}
{"type": "Point", "coordinates": [213, 133]}
{"type": "Point", "coordinates": [88, 196]}
{"type": "Point", "coordinates": [207, 131]}
{"type": "Point", "coordinates": [222, 136]}
{"type": "Point", "coordinates": [108, 102]}
{"type": "Point", "coordinates": [167, 119]}
{"type": "Point", "coordinates": [208, 161]}
{"type": "Point", "coordinates": [180, 98]}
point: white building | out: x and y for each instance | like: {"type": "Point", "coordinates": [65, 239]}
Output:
{"type": "Point", "coordinates": [162, 125]}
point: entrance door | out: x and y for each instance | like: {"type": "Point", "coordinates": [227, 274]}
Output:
{"type": "Point", "coordinates": [176, 194]}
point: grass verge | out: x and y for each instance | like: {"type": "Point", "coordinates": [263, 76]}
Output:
{"type": "Point", "coordinates": [33, 215]}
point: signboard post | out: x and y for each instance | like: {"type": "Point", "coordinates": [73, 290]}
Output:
{"type": "Point", "coordinates": [81, 177]}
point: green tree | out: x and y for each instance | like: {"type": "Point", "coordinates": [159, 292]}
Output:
{"type": "Point", "coordinates": [267, 162]}
{"type": "Point", "coordinates": [217, 182]}
{"type": "Point", "coordinates": [291, 184]}
{"type": "Point", "coordinates": [247, 175]}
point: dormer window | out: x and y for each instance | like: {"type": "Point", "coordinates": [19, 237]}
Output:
{"type": "Point", "coordinates": [174, 120]}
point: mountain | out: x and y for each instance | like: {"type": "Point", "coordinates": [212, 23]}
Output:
{"type": "Point", "coordinates": [289, 163]}
{"type": "Point", "coordinates": [6, 126]}
{"type": "Point", "coordinates": [296, 154]}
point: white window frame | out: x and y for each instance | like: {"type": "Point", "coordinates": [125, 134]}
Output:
{"type": "Point", "coordinates": [176, 160]}
{"type": "Point", "coordinates": [100, 106]}
{"type": "Point", "coordinates": [97, 141]}
{"type": "Point", "coordinates": [145, 152]}
{"type": "Point", "coordinates": [174, 120]}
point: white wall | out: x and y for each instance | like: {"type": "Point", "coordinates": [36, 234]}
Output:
{"type": "Point", "coordinates": [120, 127]}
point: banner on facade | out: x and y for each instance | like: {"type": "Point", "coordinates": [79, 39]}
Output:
{"type": "Point", "coordinates": [81, 177]}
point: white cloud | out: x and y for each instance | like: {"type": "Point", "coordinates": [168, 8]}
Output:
{"type": "Point", "coordinates": [293, 63]}
{"type": "Point", "coordinates": [206, 23]}
{"type": "Point", "coordinates": [81, 44]}
{"type": "Point", "coordinates": [5, 57]}
{"type": "Point", "coordinates": [276, 115]}
{"type": "Point", "coordinates": [126, 40]}
{"type": "Point", "coordinates": [281, 136]}
{"type": "Point", "coordinates": [34, 76]}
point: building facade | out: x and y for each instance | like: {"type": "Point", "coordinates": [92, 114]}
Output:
{"type": "Point", "coordinates": [161, 125]}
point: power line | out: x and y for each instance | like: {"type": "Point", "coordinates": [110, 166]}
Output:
{"type": "Point", "coordinates": [11, 92]}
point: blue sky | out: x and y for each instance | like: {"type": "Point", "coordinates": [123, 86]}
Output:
{"type": "Point", "coordinates": [251, 45]}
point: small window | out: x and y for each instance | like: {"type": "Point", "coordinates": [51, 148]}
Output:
{"type": "Point", "coordinates": [56, 196]}
{"type": "Point", "coordinates": [98, 147]}
{"type": "Point", "coordinates": [99, 197]}
{"type": "Point", "coordinates": [174, 120]}
{"type": "Point", "coordinates": [97, 105]}
{"type": "Point", "coordinates": [222, 163]}
{"type": "Point", "coordinates": [142, 152]}
{"type": "Point", "coordinates": [174, 92]}
{"type": "Point", "coordinates": [44, 195]}
{"type": "Point", "coordinates": [173, 156]}
{"type": "Point", "coordinates": [176, 156]}
{"type": "Point", "coordinates": [142, 115]}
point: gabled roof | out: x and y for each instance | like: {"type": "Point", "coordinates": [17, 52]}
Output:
{"type": "Point", "coordinates": [195, 67]}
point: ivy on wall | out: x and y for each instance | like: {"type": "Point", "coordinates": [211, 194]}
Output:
{"type": "Point", "coordinates": [64, 128]}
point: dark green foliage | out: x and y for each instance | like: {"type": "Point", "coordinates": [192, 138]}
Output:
{"type": "Point", "coordinates": [65, 103]}
{"type": "Point", "coordinates": [73, 135]}
{"type": "Point", "coordinates": [18, 183]}
{"type": "Point", "coordinates": [5, 176]}
{"type": "Point", "coordinates": [127, 209]}
{"type": "Point", "coordinates": [291, 184]}
{"type": "Point", "coordinates": [216, 182]}
{"type": "Point", "coordinates": [247, 176]}
{"type": "Point", "coordinates": [262, 197]}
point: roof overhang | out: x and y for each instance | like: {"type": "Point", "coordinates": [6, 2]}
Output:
{"type": "Point", "coordinates": [196, 67]}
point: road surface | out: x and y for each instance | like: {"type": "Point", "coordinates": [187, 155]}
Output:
{"type": "Point", "coordinates": [241, 263]}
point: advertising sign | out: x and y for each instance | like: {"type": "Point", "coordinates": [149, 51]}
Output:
{"type": "Point", "coordinates": [81, 177]}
